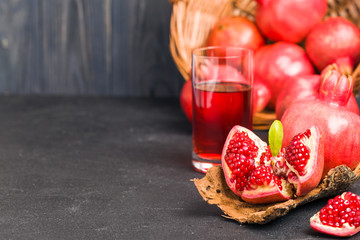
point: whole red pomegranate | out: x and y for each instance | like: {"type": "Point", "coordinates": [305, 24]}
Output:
{"type": "Point", "coordinates": [253, 174]}
{"type": "Point", "coordinates": [277, 63]}
{"type": "Point", "coordinates": [235, 31]}
{"type": "Point", "coordinates": [291, 21]}
{"type": "Point", "coordinates": [304, 88]}
{"type": "Point", "coordinates": [261, 96]}
{"type": "Point", "coordinates": [186, 99]}
{"type": "Point", "coordinates": [338, 126]}
{"type": "Point", "coordinates": [340, 217]}
{"type": "Point", "coordinates": [334, 40]}
{"type": "Point", "coordinates": [301, 87]}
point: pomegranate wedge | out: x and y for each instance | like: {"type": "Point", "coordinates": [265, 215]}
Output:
{"type": "Point", "coordinates": [340, 217]}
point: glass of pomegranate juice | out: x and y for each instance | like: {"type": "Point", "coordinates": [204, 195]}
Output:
{"type": "Point", "coordinates": [222, 79]}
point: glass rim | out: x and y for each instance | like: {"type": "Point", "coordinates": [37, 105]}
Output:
{"type": "Point", "coordinates": [242, 51]}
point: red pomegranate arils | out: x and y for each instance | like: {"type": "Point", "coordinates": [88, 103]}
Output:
{"type": "Point", "coordinates": [266, 156]}
{"type": "Point", "coordinates": [239, 155]}
{"type": "Point", "coordinates": [297, 154]}
{"type": "Point", "coordinates": [263, 175]}
{"type": "Point", "coordinates": [340, 217]}
{"type": "Point", "coordinates": [342, 210]}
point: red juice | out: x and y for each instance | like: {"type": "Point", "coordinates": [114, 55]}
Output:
{"type": "Point", "coordinates": [217, 107]}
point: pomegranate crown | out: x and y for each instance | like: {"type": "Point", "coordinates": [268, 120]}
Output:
{"type": "Point", "coordinates": [335, 88]}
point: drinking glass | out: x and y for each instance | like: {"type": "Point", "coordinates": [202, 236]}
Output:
{"type": "Point", "coordinates": [222, 80]}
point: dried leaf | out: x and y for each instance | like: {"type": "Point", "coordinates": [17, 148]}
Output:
{"type": "Point", "coordinates": [214, 190]}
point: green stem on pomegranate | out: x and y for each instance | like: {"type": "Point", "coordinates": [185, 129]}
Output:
{"type": "Point", "coordinates": [276, 135]}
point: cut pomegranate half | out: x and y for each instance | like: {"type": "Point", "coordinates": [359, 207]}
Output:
{"type": "Point", "coordinates": [340, 217]}
{"type": "Point", "coordinates": [253, 174]}
{"type": "Point", "coordinates": [304, 155]}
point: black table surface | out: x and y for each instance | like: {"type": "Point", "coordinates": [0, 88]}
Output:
{"type": "Point", "coordinates": [112, 168]}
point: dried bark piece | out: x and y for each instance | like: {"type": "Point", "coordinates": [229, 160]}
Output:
{"type": "Point", "coordinates": [214, 190]}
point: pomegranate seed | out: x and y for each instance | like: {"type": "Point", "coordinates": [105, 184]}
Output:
{"type": "Point", "coordinates": [265, 156]}
{"type": "Point", "coordinates": [263, 175]}
{"type": "Point", "coordinates": [297, 154]}
{"type": "Point", "coordinates": [341, 210]}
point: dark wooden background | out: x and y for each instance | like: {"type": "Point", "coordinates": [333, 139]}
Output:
{"type": "Point", "coordinates": [87, 47]}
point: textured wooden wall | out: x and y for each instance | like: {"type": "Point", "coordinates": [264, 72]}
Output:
{"type": "Point", "coordinates": [87, 47]}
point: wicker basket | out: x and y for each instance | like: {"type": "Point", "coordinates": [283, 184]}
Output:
{"type": "Point", "coordinates": [192, 20]}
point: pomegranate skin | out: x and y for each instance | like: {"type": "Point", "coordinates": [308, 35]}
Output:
{"type": "Point", "coordinates": [291, 21]}
{"type": "Point", "coordinates": [338, 126]}
{"type": "Point", "coordinates": [335, 38]}
{"type": "Point", "coordinates": [277, 63]}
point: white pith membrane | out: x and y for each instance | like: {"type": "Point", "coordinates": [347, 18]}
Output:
{"type": "Point", "coordinates": [287, 188]}
{"type": "Point", "coordinates": [346, 230]}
